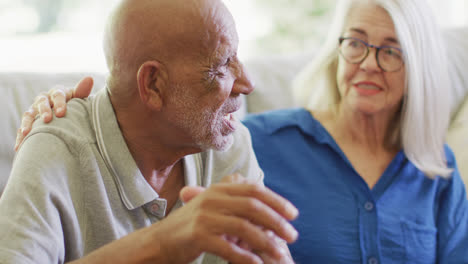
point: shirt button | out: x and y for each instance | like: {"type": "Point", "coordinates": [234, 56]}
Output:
{"type": "Point", "coordinates": [369, 206]}
{"type": "Point", "coordinates": [155, 207]}
{"type": "Point", "coordinates": [373, 260]}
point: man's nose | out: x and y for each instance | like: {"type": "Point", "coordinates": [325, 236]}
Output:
{"type": "Point", "coordinates": [243, 83]}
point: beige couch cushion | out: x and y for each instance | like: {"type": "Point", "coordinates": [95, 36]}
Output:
{"type": "Point", "coordinates": [457, 138]}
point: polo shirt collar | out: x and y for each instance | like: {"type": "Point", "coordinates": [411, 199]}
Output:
{"type": "Point", "coordinates": [133, 188]}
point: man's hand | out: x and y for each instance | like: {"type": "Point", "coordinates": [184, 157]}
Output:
{"type": "Point", "coordinates": [55, 99]}
{"type": "Point", "coordinates": [190, 192]}
{"type": "Point", "coordinates": [236, 220]}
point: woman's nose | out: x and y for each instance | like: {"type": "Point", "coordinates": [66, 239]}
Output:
{"type": "Point", "coordinates": [370, 63]}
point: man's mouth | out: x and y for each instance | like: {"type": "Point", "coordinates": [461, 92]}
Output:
{"type": "Point", "coordinates": [228, 116]}
{"type": "Point", "coordinates": [230, 122]}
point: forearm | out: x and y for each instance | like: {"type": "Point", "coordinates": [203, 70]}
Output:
{"type": "Point", "coordinates": [137, 247]}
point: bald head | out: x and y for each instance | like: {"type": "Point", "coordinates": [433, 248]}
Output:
{"type": "Point", "coordinates": [161, 30]}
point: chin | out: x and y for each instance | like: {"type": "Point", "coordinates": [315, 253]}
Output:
{"type": "Point", "coordinates": [367, 110]}
{"type": "Point", "coordinates": [221, 143]}
{"type": "Point", "coordinates": [365, 107]}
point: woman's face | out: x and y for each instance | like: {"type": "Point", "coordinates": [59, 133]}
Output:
{"type": "Point", "coordinates": [364, 87]}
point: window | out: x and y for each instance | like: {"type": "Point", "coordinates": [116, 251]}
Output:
{"type": "Point", "coordinates": [66, 35]}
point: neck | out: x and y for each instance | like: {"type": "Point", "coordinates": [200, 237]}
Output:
{"type": "Point", "coordinates": [374, 132]}
{"type": "Point", "coordinates": [155, 150]}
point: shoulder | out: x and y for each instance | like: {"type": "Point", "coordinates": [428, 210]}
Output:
{"type": "Point", "coordinates": [45, 156]}
{"type": "Point", "coordinates": [51, 151]}
{"type": "Point", "coordinates": [454, 182]}
{"type": "Point", "coordinates": [75, 127]}
{"type": "Point", "coordinates": [453, 207]}
{"type": "Point", "coordinates": [78, 117]}
{"type": "Point", "coordinates": [449, 156]}
{"type": "Point", "coordinates": [451, 190]}
{"type": "Point", "coordinates": [454, 179]}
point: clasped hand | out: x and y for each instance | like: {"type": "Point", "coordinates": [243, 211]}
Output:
{"type": "Point", "coordinates": [236, 220]}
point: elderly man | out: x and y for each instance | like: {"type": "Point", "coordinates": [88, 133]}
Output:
{"type": "Point", "coordinates": [105, 187]}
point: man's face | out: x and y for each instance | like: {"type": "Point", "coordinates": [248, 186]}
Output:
{"type": "Point", "coordinates": [206, 89]}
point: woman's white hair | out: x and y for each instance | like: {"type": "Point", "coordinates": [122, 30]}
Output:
{"type": "Point", "coordinates": [425, 110]}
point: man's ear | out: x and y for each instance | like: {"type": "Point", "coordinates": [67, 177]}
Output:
{"type": "Point", "coordinates": [150, 79]}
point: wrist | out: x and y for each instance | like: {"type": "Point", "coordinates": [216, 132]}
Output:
{"type": "Point", "coordinates": [151, 250]}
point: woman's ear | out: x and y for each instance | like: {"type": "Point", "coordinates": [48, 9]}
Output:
{"type": "Point", "coordinates": [150, 79]}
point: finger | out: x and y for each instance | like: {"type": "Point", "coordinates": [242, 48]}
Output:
{"type": "Point", "coordinates": [266, 259]}
{"type": "Point", "coordinates": [42, 104]}
{"type": "Point", "coordinates": [27, 120]}
{"type": "Point", "coordinates": [230, 251]}
{"type": "Point", "coordinates": [232, 239]}
{"type": "Point", "coordinates": [252, 234]}
{"type": "Point", "coordinates": [58, 97]}
{"type": "Point", "coordinates": [233, 178]}
{"type": "Point", "coordinates": [19, 138]}
{"type": "Point", "coordinates": [256, 212]}
{"type": "Point", "coordinates": [26, 125]}
{"type": "Point", "coordinates": [286, 257]}
{"type": "Point", "coordinates": [262, 193]}
{"type": "Point", "coordinates": [189, 192]}
{"type": "Point", "coordinates": [83, 88]}
{"type": "Point", "coordinates": [244, 245]}
{"type": "Point", "coordinates": [236, 178]}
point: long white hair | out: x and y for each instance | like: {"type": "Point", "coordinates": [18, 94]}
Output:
{"type": "Point", "coordinates": [425, 112]}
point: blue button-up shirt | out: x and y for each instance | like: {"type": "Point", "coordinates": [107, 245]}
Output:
{"type": "Point", "coordinates": [405, 218]}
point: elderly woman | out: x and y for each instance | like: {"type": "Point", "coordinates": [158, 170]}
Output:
{"type": "Point", "coordinates": [365, 161]}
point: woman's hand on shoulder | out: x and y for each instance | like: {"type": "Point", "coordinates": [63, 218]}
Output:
{"type": "Point", "coordinates": [55, 99]}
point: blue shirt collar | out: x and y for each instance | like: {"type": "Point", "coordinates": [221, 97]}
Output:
{"type": "Point", "coordinates": [302, 119]}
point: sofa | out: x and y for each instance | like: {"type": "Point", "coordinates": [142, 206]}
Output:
{"type": "Point", "coordinates": [272, 77]}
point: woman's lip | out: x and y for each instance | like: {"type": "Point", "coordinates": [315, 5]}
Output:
{"type": "Point", "coordinates": [368, 83]}
{"type": "Point", "coordinates": [367, 92]}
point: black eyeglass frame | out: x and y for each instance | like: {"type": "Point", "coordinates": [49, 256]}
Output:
{"type": "Point", "coordinates": [368, 46]}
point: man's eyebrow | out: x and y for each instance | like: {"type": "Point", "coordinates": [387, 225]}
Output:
{"type": "Point", "coordinates": [387, 39]}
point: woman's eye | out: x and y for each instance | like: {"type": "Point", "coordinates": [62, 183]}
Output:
{"type": "Point", "coordinates": [354, 43]}
{"type": "Point", "coordinates": [393, 53]}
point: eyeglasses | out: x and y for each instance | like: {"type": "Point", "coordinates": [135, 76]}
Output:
{"type": "Point", "coordinates": [355, 51]}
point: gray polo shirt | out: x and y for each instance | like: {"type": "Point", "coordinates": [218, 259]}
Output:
{"type": "Point", "coordinates": [75, 187]}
